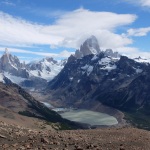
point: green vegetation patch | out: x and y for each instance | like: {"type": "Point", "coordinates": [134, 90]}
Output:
{"type": "Point", "coordinates": [138, 119]}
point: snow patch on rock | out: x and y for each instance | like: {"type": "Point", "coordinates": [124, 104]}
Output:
{"type": "Point", "coordinates": [14, 79]}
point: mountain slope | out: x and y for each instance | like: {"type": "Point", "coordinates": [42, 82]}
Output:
{"type": "Point", "coordinates": [118, 82]}
{"type": "Point", "coordinates": [18, 100]}
{"type": "Point", "coordinates": [92, 76]}
{"type": "Point", "coordinates": [14, 100]}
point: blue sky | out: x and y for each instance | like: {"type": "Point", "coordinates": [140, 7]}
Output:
{"type": "Point", "coordinates": [32, 29]}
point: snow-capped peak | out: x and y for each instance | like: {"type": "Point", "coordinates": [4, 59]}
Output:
{"type": "Point", "coordinates": [47, 68]}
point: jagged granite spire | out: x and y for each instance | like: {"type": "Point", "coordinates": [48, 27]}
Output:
{"type": "Point", "coordinates": [6, 50]}
{"type": "Point", "coordinates": [12, 65]}
{"type": "Point", "coordinates": [109, 52]}
{"type": "Point", "coordinates": [90, 46]}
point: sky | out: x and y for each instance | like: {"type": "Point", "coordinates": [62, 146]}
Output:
{"type": "Point", "coordinates": [33, 29]}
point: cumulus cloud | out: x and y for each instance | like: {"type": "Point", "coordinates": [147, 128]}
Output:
{"type": "Point", "coordinates": [138, 32]}
{"type": "Point", "coordinates": [69, 30]}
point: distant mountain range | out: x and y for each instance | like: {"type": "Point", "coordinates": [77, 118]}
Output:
{"type": "Point", "coordinates": [33, 75]}
{"type": "Point", "coordinates": [89, 75]}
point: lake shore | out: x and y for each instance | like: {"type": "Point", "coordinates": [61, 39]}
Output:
{"type": "Point", "coordinates": [95, 107]}
{"type": "Point", "coordinates": [92, 118]}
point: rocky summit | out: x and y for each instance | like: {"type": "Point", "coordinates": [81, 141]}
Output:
{"type": "Point", "coordinates": [90, 46]}
{"type": "Point", "coordinates": [12, 64]}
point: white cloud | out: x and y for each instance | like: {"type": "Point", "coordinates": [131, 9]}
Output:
{"type": "Point", "coordinates": [111, 40]}
{"type": "Point", "coordinates": [15, 31]}
{"type": "Point", "coordinates": [138, 32]}
{"type": "Point", "coordinates": [8, 3]}
{"type": "Point", "coordinates": [69, 30]}
{"type": "Point", "coordinates": [63, 54]}
{"type": "Point", "coordinates": [76, 26]}
{"type": "Point", "coordinates": [143, 3]}
{"type": "Point", "coordinates": [133, 52]}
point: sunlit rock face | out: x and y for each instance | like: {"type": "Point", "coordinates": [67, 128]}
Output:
{"type": "Point", "coordinates": [109, 52]}
{"type": "Point", "coordinates": [12, 64]}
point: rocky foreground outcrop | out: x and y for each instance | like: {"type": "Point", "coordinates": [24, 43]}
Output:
{"type": "Point", "coordinates": [14, 137]}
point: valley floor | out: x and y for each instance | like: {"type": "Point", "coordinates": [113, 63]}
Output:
{"type": "Point", "coordinates": [93, 106]}
{"type": "Point", "coordinates": [14, 137]}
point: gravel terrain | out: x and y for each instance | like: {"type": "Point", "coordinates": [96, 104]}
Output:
{"type": "Point", "coordinates": [14, 137]}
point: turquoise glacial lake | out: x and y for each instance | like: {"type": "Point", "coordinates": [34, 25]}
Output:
{"type": "Point", "coordinates": [89, 117]}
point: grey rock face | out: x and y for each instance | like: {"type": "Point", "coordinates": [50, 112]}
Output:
{"type": "Point", "coordinates": [11, 64]}
{"type": "Point", "coordinates": [78, 54]}
{"type": "Point", "coordinates": [90, 46]}
{"type": "Point", "coordinates": [109, 52]}
{"type": "Point", "coordinates": [40, 64]}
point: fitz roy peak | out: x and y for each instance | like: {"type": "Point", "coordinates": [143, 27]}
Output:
{"type": "Point", "coordinates": [90, 46]}
{"type": "Point", "coordinates": [105, 77]}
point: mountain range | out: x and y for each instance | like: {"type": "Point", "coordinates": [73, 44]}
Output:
{"type": "Point", "coordinates": [105, 77]}
{"type": "Point", "coordinates": [90, 75]}
{"type": "Point", "coordinates": [34, 75]}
